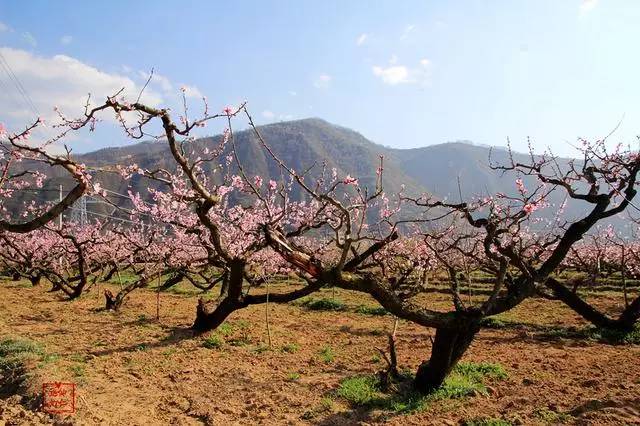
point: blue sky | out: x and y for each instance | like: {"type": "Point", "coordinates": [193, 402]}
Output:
{"type": "Point", "coordinates": [404, 74]}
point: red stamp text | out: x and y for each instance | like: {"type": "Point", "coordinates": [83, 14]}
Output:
{"type": "Point", "coordinates": [59, 397]}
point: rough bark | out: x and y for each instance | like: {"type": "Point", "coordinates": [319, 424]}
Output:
{"type": "Point", "coordinates": [210, 314]}
{"type": "Point", "coordinates": [625, 322]}
{"type": "Point", "coordinates": [448, 347]}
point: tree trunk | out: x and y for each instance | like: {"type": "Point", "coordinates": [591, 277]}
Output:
{"type": "Point", "coordinates": [448, 347]}
{"type": "Point", "coordinates": [114, 302]}
{"type": "Point", "coordinates": [35, 279]}
{"type": "Point", "coordinates": [630, 315]}
{"type": "Point", "coordinates": [625, 322]}
{"type": "Point", "coordinates": [210, 314]}
{"type": "Point", "coordinates": [224, 287]}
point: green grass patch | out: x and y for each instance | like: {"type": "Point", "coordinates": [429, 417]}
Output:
{"type": "Point", "coordinates": [552, 417]}
{"type": "Point", "coordinates": [13, 352]}
{"type": "Point", "coordinates": [325, 406]}
{"type": "Point", "coordinates": [371, 310]}
{"type": "Point", "coordinates": [360, 390]}
{"type": "Point", "coordinates": [465, 380]}
{"type": "Point", "coordinates": [14, 356]}
{"type": "Point", "coordinates": [77, 370]}
{"type": "Point", "coordinates": [213, 341]}
{"type": "Point", "coordinates": [615, 337]}
{"type": "Point", "coordinates": [327, 355]}
{"type": "Point", "coordinates": [225, 329]}
{"type": "Point", "coordinates": [293, 376]}
{"type": "Point", "coordinates": [291, 348]}
{"type": "Point", "coordinates": [324, 304]}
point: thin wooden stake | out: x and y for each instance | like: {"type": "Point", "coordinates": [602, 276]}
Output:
{"type": "Point", "coordinates": [266, 316]}
{"type": "Point", "coordinates": [158, 300]}
{"type": "Point", "coordinates": [119, 278]}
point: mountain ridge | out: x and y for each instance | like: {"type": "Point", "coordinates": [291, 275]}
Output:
{"type": "Point", "coordinates": [452, 169]}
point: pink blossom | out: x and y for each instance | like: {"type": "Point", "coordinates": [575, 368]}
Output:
{"type": "Point", "coordinates": [350, 180]}
{"type": "Point", "coordinates": [257, 180]}
{"type": "Point", "coordinates": [236, 182]}
{"type": "Point", "coordinates": [228, 110]}
{"type": "Point", "coordinates": [530, 208]}
{"type": "Point", "coordinates": [224, 190]}
{"type": "Point", "coordinates": [273, 185]}
{"type": "Point", "coordinates": [3, 129]}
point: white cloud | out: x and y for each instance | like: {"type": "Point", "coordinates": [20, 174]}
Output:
{"type": "Point", "coordinates": [269, 115]}
{"type": "Point", "coordinates": [30, 39]}
{"type": "Point", "coordinates": [66, 39]}
{"type": "Point", "coordinates": [400, 74]}
{"type": "Point", "coordinates": [272, 116]}
{"type": "Point", "coordinates": [392, 75]}
{"type": "Point", "coordinates": [163, 84]}
{"type": "Point", "coordinates": [157, 79]}
{"type": "Point", "coordinates": [293, 93]}
{"type": "Point", "coordinates": [4, 27]}
{"type": "Point", "coordinates": [587, 5]}
{"type": "Point", "coordinates": [323, 81]}
{"type": "Point", "coordinates": [407, 30]}
{"type": "Point", "coordinates": [64, 82]}
{"type": "Point", "coordinates": [362, 38]}
{"type": "Point", "coordinates": [191, 91]}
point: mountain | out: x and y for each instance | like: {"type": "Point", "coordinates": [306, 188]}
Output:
{"type": "Point", "coordinates": [446, 170]}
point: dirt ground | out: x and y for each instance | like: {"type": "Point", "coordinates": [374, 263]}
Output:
{"type": "Point", "coordinates": [131, 369]}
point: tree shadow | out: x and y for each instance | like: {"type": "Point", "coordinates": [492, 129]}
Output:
{"type": "Point", "coordinates": [175, 335]}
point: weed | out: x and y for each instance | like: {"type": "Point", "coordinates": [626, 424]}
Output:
{"type": "Point", "coordinates": [493, 323]}
{"type": "Point", "coordinates": [169, 352]}
{"type": "Point", "coordinates": [291, 348]}
{"type": "Point", "coordinates": [243, 340]}
{"type": "Point", "coordinates": [48, 358]}
{"type": "Point", "coordinates": [324, 305]}
{"type": "Point", "coordinates": [327, 355]}
{"type": "Point", "coordinates": [327, 403]}
{"type": "Point", "coordinates": [325, 406]}
{"type": "Point", "coordinates": [360, 390]}
{"type": "Point", "coordinates": [242, 324]}
{"type": "Point", "coordinates": [375, 359]}
{"type": "Point", "coordinates": [14, 357]}
{"type": "Point", "coordinates": [465, 380]}
{"type": "Point", "coordinates": [14, 352]}
{"type": "Point", "coordinates": [77, 370]}
{"type": "Point", "coordinates": [261, 349]}
{"type": "Point", "coordinates": [371, 310]}
{"type": "Point", "coordinates": [476, 371]}
{"type": "Point", "coordinates": [213, 341]}
{"type": "Point", "coordinates": [225, 329]}
{"type": "Point", "coordinates": [141, 347]}
{"type": "Point", "coordinates": [293, 376]}
{"type": "Point", "coordinates": [552, 417]}
{"type": "Point", "coordinates": [76, 358]}
{"type": "Point", "coordinates": [615, 337]}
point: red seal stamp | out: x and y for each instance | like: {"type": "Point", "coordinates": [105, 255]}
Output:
{"type": "Point", "coordinates": [59, 397]}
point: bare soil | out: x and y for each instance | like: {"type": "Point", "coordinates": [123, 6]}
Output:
{"type": "Point", "coordinates": [130, 368]}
